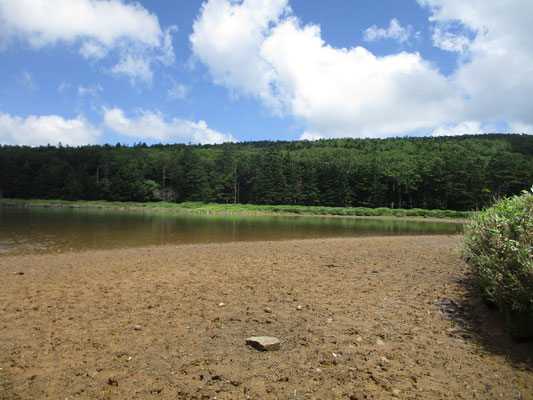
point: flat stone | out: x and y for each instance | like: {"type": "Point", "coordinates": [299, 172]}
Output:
{"type": "Point", "coordinates": [263, 343]}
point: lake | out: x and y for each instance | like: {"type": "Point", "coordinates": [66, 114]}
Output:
{"type": "Point", "coordinates": [36, 230]}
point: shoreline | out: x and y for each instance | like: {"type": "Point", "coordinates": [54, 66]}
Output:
{"type": "Point", "coordinates": [357, 318]}
{"type": "Point", "coordinates": [22, 204]}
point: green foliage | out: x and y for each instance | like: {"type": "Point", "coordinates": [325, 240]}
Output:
{"type": "Point", "coordinates": [200, 207]}
{"type": "Point", "coordinates": [498, 245]}
{"type": "Point", "coordinates": [446, 173]}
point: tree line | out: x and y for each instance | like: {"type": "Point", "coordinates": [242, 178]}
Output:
{"type": "Point", "coordinates": [457, 173]}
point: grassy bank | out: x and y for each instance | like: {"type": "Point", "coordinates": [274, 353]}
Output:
{"type": "Point", "coordinates": [243, 208]}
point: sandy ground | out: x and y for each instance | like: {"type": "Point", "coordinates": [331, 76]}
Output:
{"type": "Point", "coordinates": [378, 318]}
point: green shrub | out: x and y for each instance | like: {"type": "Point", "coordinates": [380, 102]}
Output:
{"type": "Point", "coordinates": [498, 245]}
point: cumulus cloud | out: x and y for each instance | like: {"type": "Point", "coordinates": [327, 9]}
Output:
{"type": "Point", "coordinates": [311, 136]}
{"type": "Point", "coordinates": [496, 72]}
{"type": "Point", "coordinates": [448, 41]}
{"type": "Point", "coordinates": [520, 127]}
{"type": "Point", "coordinates": [152, 125]}
{"type": "Point", "coordinates": [463, 128]}
{"type": "Point", "coordinates": [227, 38]}
{"type": "Point", "coordinates": [47, 129]}
{"type": "Point", "coordinates": [96, 26]}
{"type": "Point", "coordinates": [395, 31]}
{"type": "Point", "coordinates": [257, 48]}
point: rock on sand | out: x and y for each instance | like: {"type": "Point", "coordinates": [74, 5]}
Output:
{"type": "Point", "coordinates": [264, 343]}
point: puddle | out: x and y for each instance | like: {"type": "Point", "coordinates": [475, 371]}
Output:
{"type": "Point", "coordinates": [453, 311]}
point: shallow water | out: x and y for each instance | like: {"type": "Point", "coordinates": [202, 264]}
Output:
{"type": "Point", "coordinates": [34, 230]}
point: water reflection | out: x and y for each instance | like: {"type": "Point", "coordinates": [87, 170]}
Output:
{"type": "Point", "coordinates": [28, 230]}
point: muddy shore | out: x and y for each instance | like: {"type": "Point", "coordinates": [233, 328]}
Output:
{"type": "Point", "coordinates": [192, 211]}
{"type": "Point", "coordinates": [363, 318]}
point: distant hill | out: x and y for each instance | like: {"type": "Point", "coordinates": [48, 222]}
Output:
{"type": "Point", "coordinates": [459, 173]}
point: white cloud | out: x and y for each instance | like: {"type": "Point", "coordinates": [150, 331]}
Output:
{"type": "Point", "coordinates": [177, 91]}
{"type": "Point", "coordinates": [311, 136]}
{"type": "Point", "coordinates": [47, 129]}
{"type": "Point", "coordinates": [136, 66]}
{"type": "Point", "coordinates": [27, 80]}
{"type": "Point", "coordinates": [496, 73]}
{"type": "Point", "coordinates": [254, 48]}
{"type": "Point", "coordinates": [520, 127]}
{"type": "Point", "coordinates": [477, 127]}
{"type": "Point", "coordinates": [153, 125]}
{"type": "Point", "coordinates": [63, 86]}
{"type": "Point", "coordinates": [464, 128]}
{"type": "Point", "coordinates": [227, 38]}
{"type": "Point", "coordinates": [449, 41]}
{"type": "Point", "coordinates": [97, 26]}
{"type": "Point", "coordinates": [395, 31]}
{"type": "Point", "coordinates": [92, 49]}
{"type": "Point", "coordinates": [90, 90]}
{"type": "Point", "coordinates": [257, 48]}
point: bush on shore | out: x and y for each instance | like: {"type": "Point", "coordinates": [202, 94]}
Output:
{"type": "Point", "coordinates": [248, 208]}
{"type": "Point", "coordinates": [498, 246]}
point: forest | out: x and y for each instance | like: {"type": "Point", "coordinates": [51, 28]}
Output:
{"type": "Point", "coordinates": [455, 173]}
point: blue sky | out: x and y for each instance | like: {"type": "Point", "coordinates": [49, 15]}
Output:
{"type": "Point", "coordinates": [106, 71]}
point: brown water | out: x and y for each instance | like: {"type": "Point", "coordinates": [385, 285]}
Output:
{"type": "Point", "coordinates": [31, 230]}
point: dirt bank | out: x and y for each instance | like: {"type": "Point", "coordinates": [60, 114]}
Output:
{"type": "Point", "coordinates": [357, 318]}
{"type": "Point", "coordinates": [20, 204]}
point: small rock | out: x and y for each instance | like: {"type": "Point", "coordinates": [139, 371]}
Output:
{"type": "Point", "coordinates": [299, 308]}
{"type": "Point", "coordinates": [18, 273]}
{"type": "Point", "coordinates": [137, 327]}
{"type": "Point", "coordinates": [380, 342]}
{"type": "Point", "coordinates": [396, 392]}
{"type": "Point", "coordinates": [112, 382]}
{"type": "Point", "coordinates": [359, 339]}
{"type": "Point", "coordinates": [268, 310]}
{"type": "Point", "coordinates": [221, 304]}
{"type": "Point", "coordinates": [264, 343]}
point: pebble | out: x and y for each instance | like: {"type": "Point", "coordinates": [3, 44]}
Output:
{"type": "Point", "coordinates": [221, 304]}
{"type": "Point", "coordinates": [112, 382]}
{"type": "Point", "coordinates": [264, 343]}
{"type": "Point", "coordinates": [137, 327]}
{"type": "Point", "coordinates": [268, 310]}
{"type": "Point", "coordinates": [380, 342]}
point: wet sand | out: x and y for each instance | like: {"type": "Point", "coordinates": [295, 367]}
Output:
{"type": "Point", "coordinates": [364, 318]}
